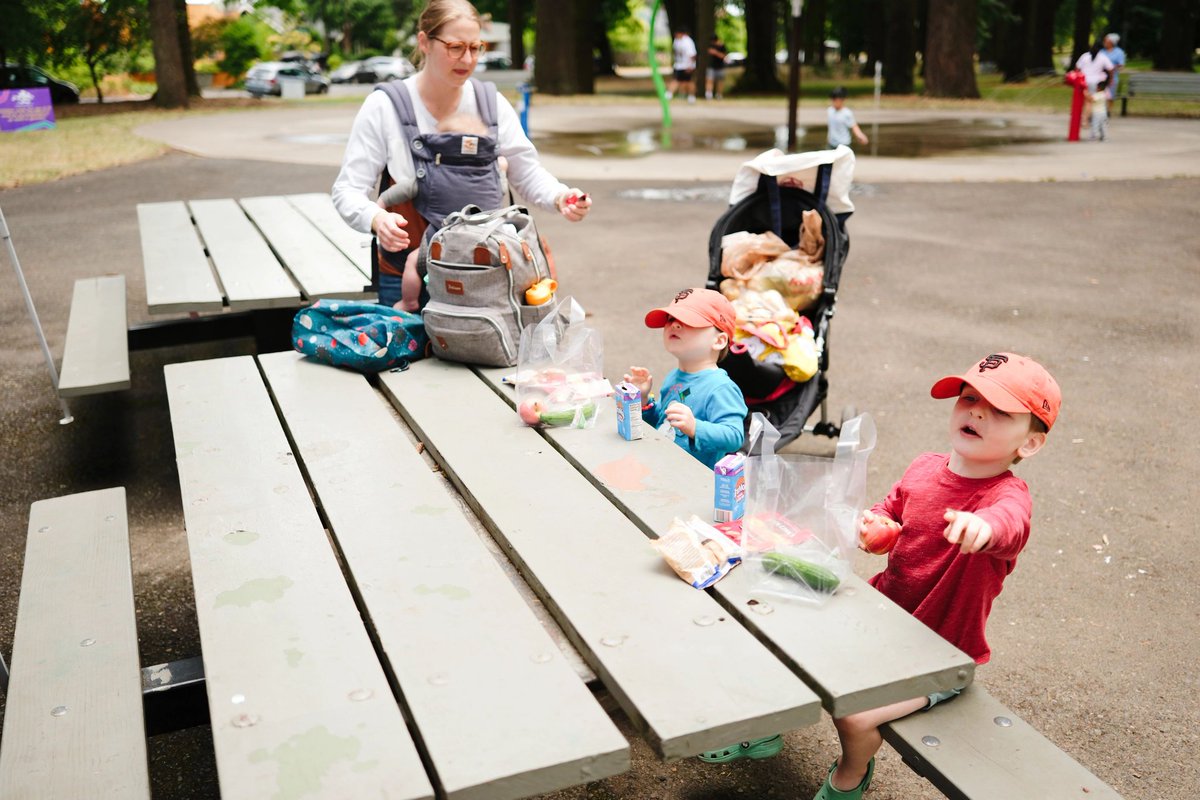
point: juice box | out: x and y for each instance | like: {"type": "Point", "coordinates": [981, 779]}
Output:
{"type": "Point", "coordinates": [629, 411]}
{"type": "Point", "coordinates": [729, 484]}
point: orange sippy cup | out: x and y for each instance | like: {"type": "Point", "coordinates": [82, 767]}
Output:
{"type": "Point", "coordinates": [541, 292]}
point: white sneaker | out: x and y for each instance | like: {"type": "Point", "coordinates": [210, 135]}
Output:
{"type": "Point", "coordinates": [670, 95]}
{"type": "Point", "coordinates": [691, 98]}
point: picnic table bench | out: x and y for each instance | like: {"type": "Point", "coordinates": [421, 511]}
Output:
{"type": "Point", "coordinates": [362, 635]}
{"type": "Point", "coordinates": [237, 267]}
{"type": "Point", "coordinates": [1161, 85]}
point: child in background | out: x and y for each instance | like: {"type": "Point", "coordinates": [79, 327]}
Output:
{"type": "Point", "coordinates": [841, 121]}
{"type": "Point", "coordinates": [965, 519]}
{"type": "Point", "coordinates": [699, 400]}
{"type": "Point", "coordinates": [401, 192]}
{"type": "Point", "coordinates": [1099, 102]}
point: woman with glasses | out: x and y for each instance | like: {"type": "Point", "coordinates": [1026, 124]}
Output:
{"type": "Point", "coordinates": [380, 154]}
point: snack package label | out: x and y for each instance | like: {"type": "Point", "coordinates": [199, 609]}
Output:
{"type": "Point", "coordinates": [729, 488]}
{"type": "Point", "coordinates": [629, 411]}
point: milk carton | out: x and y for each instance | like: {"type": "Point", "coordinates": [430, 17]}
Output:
{"type": "Point", "coordinates": [729, 482]}
{"type": "Point", "coordinates": [629, 411]}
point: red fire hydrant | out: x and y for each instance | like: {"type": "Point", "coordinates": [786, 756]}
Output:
{"type": "Point", "coordinates": [1076, 79]}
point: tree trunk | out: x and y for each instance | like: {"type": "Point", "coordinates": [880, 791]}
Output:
{"type": "Point", "coordinates": [1081, 42]}
{"type": "Point", "coordinates": [185, 50]}
{"type": "Point", "coordinates": [604, 52]}
{"type": "Point", "coordinates": [168, 63]}
{"type": "Point", "coordinates": [91, 65]}
{"type": "Point", "coordinates": [950, 49]}
{"type": "Point", "coordinates": [1011, 37]}
{"type": "Point", "coordinates": [1040, 59]}
{"type": "Point", "coordinates": [875, 34]}
{"type": "Point", "coordinates": [814, 32]}
{"type": "Point", "coordinates": [762, 18]}
{"type": "Point", "coordinates": [681, 16]}
{"type": "Point", "coordinates": [706, 26]}
{"type": "Point", "coordinates": [516, 28]}
{"type": "Point", "coordinates": [900, 50]}
{"type": "Point", "coordinates": [563, 49]}
{"type": "Point", "coordinates": [1176, 42]}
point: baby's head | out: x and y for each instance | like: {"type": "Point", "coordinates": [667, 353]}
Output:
{"type": "Point", "coordinates": [1006, 406]}
{"type": "Point", "coordinates": [697, 326]}
{"type": "Point", "coordinates": [463, 122]}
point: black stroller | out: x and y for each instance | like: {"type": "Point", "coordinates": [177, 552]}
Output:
{"type": "Point", "coordinates": [767, 389]}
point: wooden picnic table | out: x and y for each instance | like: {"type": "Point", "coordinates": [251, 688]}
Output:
{"type": "Point", "coordinates": [353, 544]}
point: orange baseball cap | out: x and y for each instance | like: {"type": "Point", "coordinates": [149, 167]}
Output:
{"type": "Point", "coordinates": [1011, 383]}
{"type": "Point", "coordinates": [696, 308]}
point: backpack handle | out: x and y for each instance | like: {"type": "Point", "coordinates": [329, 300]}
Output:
{"type": "Point", "coordinates": [474, 215]}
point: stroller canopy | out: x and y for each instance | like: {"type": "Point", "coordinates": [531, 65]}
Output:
{"type": "Point", "coordinates": [802, 169]}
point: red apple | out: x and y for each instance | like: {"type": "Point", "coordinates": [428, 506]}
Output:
{"type": "Point", "coordinates": [530, 410]}
{"type": "Point", "coordinates": [878, 533]}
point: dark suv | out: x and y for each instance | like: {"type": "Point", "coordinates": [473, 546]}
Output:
{"type": "Point", "coordinates": [24, 76]}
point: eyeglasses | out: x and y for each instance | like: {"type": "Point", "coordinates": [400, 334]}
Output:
{"type": "Point", "coordinates": [458, 49]}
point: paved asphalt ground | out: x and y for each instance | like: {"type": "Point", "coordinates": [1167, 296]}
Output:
{"type": "Point", "coordinates": [1095, 638]}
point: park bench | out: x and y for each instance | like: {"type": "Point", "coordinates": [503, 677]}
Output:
{"type": "Point", "coordinates": [1161, 85]}
{"type": "Point", "coordinates": [96, 352]}
{"type": "Point", "coordinates": [976, 749]}
{"type": "Point", "coordinates": [73, 723]}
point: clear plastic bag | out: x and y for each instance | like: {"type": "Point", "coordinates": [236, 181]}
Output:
{"type": "Point", "coordinates": [801, 516]}
{"type": "Point", "coordinates": [698, 552]}
{"type": "Point", "coordinates": [560, 364]}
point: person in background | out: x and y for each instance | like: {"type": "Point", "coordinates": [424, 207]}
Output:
{"type": "Point", "coordinates": [1117, 56]}
{"type": "Point", "coordinates": [841, 121]}
{"type": "Point", "coordinates": [683, 65]}
{"type": "Point", "coordinates": [448, 47]}
{"type": "Point", "coordinates": [1099, 102]}
{"type": "Point", "coordinates": [716, 68]}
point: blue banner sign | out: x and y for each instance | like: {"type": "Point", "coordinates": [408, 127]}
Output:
{"type": "Point", "coordinates": [25, 110]}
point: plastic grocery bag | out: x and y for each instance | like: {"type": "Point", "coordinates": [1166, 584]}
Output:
{"type": "Point", "coordinates": [560, 365]}
{"type": "Point", "coordinates": [801, 516]}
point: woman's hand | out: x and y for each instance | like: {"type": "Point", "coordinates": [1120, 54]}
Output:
{"type": "Point", "coordinates": [388, 227]}
{"type": "Point", "coordinates": [574, 205]}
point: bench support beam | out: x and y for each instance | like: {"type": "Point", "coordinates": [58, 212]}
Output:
{"type": "Point", "coordinates": [174, 696]}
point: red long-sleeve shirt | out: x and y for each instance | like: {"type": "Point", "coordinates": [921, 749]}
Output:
{"type": "Point", "coordinates": [931, 578]}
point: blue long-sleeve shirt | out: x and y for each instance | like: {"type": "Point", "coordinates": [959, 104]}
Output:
{"type": "Point", "coordinates": [715, 401]}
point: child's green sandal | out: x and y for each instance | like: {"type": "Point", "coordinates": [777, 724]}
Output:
{"type": "Point", "coordinates": [827, 792]}
{"type": "Point", "coordinates": [755, 748]}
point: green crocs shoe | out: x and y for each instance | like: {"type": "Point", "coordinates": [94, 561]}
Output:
{"type": "Point", "coordinates": [827, 792]}
{"type": "Point", "coordinates": [755, 748]}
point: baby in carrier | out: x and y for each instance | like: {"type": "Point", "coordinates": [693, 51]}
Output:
{"type": "Point", "coordinates": [456, 166]}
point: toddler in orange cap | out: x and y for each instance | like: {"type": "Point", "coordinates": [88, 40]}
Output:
{"type": "Point", "coordinates": [965, 517]}
{"type": "Point", "coordinates": [698, 399]}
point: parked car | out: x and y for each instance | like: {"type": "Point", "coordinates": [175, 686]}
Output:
{"type": "Point", "coordinates": [489, 61]}
{"type": "Point", "coordinates": [346, 73]}
{"type": "Point", "coordinates": [25, 76]}
{"type": "Point", "coordinates": [265, 78]}
{"type": "Point", "coordinates": [385, 68]}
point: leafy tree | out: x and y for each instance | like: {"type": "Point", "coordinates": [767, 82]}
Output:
{"type": "Point", "coordinates": [1177, 37]}
{"type": "Point", "coordinates": [244, 42]}
{"type": "Point", "coordinates": [99, 31]}
{"type": "Point", "coordinates": [562, 50]}
{"type": "Point", "coordinates": [168, 59]}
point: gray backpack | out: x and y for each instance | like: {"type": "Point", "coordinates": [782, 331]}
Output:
{"type": "Point", "coordinates": [480, 265]}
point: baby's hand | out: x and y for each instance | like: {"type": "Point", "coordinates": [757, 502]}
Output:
{"type": "Point", "coordinates": [640, 377]}
{"type": "Point", "coordinates": [682, 419]}
{"type": "Point", "coordinates": [967, 531]}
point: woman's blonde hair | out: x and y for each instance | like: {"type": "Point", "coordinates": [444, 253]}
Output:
{"type": "Point", "coordinates": [440, 13]}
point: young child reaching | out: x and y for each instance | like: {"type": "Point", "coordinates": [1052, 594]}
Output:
{"type": "Point", "coordinates": [965, 517]}
{"type": "Point", "coordinates": [698, 399]}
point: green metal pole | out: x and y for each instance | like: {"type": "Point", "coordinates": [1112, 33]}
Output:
{"type": "Point", "coordinates": [659, 86]}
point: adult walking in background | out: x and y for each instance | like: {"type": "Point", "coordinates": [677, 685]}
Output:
{"type": "Point", "coordinates": [716, 68]}
{"type": "Point", "coordinates": [1117, 56]}
{"type": "Point", "coordinates": [378, 155]}
{"type": "Point", "coordinates": [1096, 67]}
{"type": "Point", "coordinates": [683, 65]}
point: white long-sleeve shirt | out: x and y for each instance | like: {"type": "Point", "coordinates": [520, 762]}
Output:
{"type": "Point", "coordinates": [376, 140]}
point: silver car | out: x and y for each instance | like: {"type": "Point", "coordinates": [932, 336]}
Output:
{"type": "Point", "coordinates": [266, 78]}
{"type": "Point", "coordinates": [386, 68]}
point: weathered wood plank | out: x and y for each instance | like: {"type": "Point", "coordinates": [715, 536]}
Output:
{"type": "Point", "coordinates": [318, 208]}
{"type": "Point", "coordinates": [96, 352]}
{"type": "Point", "coordinates": [299, 702]}
{"type": "Point", "coordinates": [319, 267]}
{"type": "Point", "coordinates": [973, 748]}
{"type": "Point", "coordinates": [422, 571]}
{"type": "Point", "coordinates": [673, 659]}
{"type": "Point", "coordinates": [73, 721]}
{"type": "Point", "coordinates": [859, 651]}
{"type": "Point", "coordinates": [249, 272]}
{"type": "Point", "coordinates": [178, 275]}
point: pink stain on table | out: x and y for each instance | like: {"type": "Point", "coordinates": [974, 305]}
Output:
{"type": "Point", "coordinates": [625, 473]}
